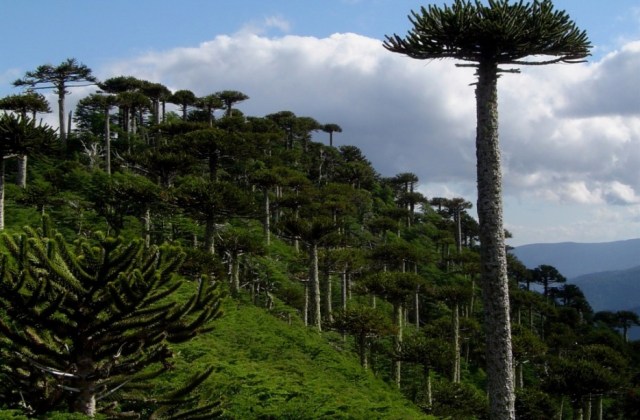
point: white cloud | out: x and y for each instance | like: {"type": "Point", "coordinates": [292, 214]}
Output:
{"type": "Point", "coordinates": [262, 27]}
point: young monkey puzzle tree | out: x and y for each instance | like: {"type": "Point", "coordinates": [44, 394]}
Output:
{"type": "Point", "coordinates": [93, 319]}
{"type": "Point", "coordinates": [488, 36]}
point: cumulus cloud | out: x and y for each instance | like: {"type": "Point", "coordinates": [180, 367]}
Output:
{"type": "Point", "coordinates": [569, 133]}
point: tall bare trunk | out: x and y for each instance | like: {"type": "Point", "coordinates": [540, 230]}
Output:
{"type": "Point", "coordinates": [314, 284]}
{"type": "Point", "coordinates": [235, 272]}
{"type": "Point", "coordinates": [107, 142]}
{"type": "Point", "coordinates": [397, 342]}
{"type": "Point", "coordinates": [598, 411]}
{"type": "Point", "coordinates": [147, 227]}
{"type": "Point", "coordinates": [209, 235]}
{"type": "Point", "coordinates": [61, 114]}
{"type": "Point", "coordinates": [456, 343]}
{"type": "Point", "coordinates": [344, 289]}
{"type": "Point", "coordinates": [22, 171]}
{"type": "Point", "coordinates": [428, 391]}
{"type": "Point", "coordinates": [500, 382]}
{"type": "Point", "coordinates": [267, 217]}
{"type": "Point", "coordinates": [587, 407]}
{"type": "Point", "coordinates": [305, 311]}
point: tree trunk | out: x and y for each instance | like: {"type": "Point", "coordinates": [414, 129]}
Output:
{"type": "Point", "coordinates": [22, 171]}
{"type": "Point", "coordinates": [147, 227]}
{"type": "Point", "coordinates": [362, 350]}
{"type": "Point", "coordinates": [267, 217]}
{"type": "Point", "coordinates": [305, 311]}
{"type": "Point", "coordinates": [587, 407]}
{"type": "Point", "coordinates": [107, 142]}
{"type": "Point", "coordinates": [456, 343]}
{"type": "Point", "coordinates": [598, 410]}
{"type": "Point", "coordinates": [314, 284]}
{"type": "Point", "coordinates": [428, 391]}
{"type": "Point", "coordinates": [344, 289]}
{"type": "Point", "coordinates": [235, 273]}
{"type": "Point", "coordinates": [61, 114]}
{"type": "Point", "coordinates": [209, 235]}
{"type": "Point", "coordinates": [397, 343]}
{"type": "Point", "coordinates": [417, 309]}
{"type": "Point", "coordinates": [500, 383]}
{"type": "Point", "coordinates": [328, 292]}
{"type": "Point", "coordinates": [85, 399]}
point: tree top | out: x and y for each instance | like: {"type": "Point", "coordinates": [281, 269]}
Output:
{"type": "Point", "coordinates": [500, 32]}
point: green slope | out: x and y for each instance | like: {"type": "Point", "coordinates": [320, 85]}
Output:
{"type": "Point", "coordinates": [265, 368]}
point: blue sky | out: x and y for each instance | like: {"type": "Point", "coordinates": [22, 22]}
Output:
{"type": "Point", "coordinates": [570, 134]}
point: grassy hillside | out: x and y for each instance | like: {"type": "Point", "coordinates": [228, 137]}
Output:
{"type": "Point", "coordinates": [265, 368]}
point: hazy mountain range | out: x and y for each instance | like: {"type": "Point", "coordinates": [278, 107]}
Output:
{"type": "Point", "coordinates": [608, 273]}
{"type": "Point", "coordinates": [577, 259]}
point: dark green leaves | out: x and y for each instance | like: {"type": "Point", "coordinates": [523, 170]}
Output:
{"type": "Point", "coordinates": [501, 32]}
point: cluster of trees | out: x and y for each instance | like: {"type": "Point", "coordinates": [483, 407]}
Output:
{"type": "Point", "coordinates": [277, 218]}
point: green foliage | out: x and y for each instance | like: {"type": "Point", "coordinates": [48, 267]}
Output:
{"type": "Point", "coordinates": [458, 401]}
{"type": "Point", "coordinates": [84, 321]}
{"type": "Point", "coordinates": [499, 31]}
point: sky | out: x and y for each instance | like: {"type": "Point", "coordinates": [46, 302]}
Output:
{"type": "Point", "coordinates": [570, 134]}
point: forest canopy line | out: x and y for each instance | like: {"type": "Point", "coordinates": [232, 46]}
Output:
{"type": "Point", "coordinates": [131, 231]}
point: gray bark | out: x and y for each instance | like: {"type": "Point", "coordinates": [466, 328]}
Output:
{"type": "Point", "coordinates": [598, 410]}
{"type": "Point", "coordinates": [22, 171]}
{"type": "Point", "coordinates": [85, 401]}
{"type": "Point", "coordinates": [235, 272]}
{"type": "Point", "coordinates": [456, 343]}
{"type": "Point", "coordinates": [500, 381]}
{"type": "Point", "coordinates": [344, 289]}
{"type": "Point", "coordinates": [267, 217]}
{"type": "Point", "coordinates": [61, 114]}
{"type": "Point", "coordinates": [107, 141]}
{"type": "Point", "coordinates": [397, 342]}
{"type": "Point", "coordinates": [147, 227]}
{"type": "Point", "coordinates": [314, 284]}
{"type": "Point", "coordinates": [209, 235]}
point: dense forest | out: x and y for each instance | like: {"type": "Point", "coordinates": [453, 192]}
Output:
{"type": "Point", "coordinates": [206, 263]}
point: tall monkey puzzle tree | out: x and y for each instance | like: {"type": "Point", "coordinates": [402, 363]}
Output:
{"type": "Point", "coordinates": [69, 73]}
{"type": "Point", "coordinates": [488, 36]}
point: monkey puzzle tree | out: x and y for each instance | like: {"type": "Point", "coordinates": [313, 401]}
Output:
{"type": "Point", "coordinates": [209, 104]}
{"type": "Point", "coordinates": [19, 136]}
{"type": "Point", "coordinates": [92, 319]}
{"type": "Point", "coordinates": [546, 275]}
{"type": "Point", "coordinates": [331, 128]}
{"type": "Point", "coordinates": [489, 36]}
{"type": "Point", "coordinates": [102, 103]}
{"type": "Point", "coordinates": [70, 73]}
{"type": "Point", "coordinates": [184, 99]}
{"type": "Point", "coordinates": [28, 102]}
{"type": "Point", "coordinates": [229, 98]}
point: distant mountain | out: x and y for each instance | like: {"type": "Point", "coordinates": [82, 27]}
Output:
{"type": "Point", "coordinates": [611, 290]}
{"type": "Point", "coordinates": [576, 259]}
